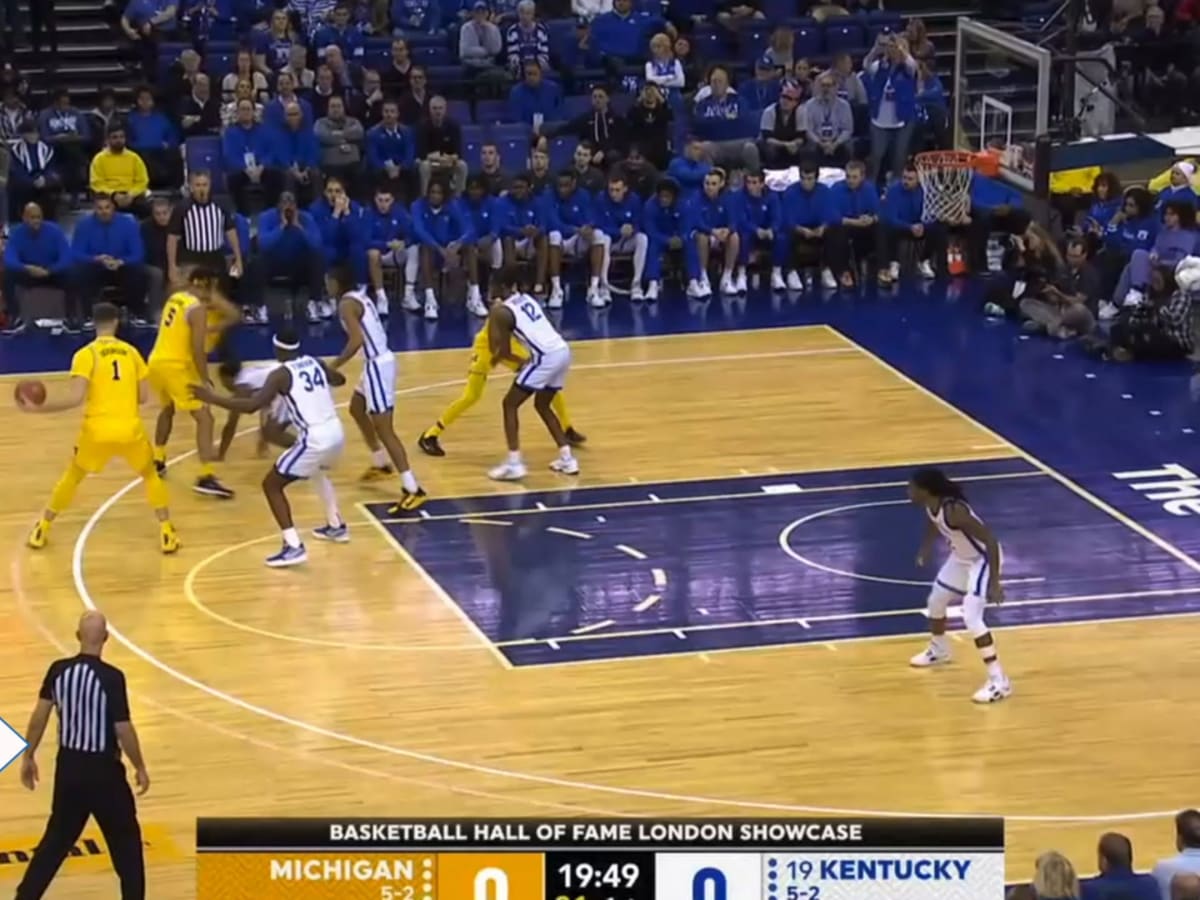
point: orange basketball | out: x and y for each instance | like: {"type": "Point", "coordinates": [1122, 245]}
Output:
{"type": "Point", "coordinates": [31, 393]}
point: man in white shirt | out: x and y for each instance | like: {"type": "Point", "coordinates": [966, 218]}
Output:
{"type": "Point", "coordinates": [1187, 841]}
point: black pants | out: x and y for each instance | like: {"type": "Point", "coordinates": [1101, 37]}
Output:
{"type": "Point", "coordinates": [893, 242]}
{"type": "Point", "coordinates": [776, 157]}
{"type": "Point", "coordinates": [1145, 339]}
{"type": "Point", "coordinates": [304, 274]}
{"type": "Point", "coordinates": [88, 787]}
{"type": "Point", "coordinates": [91, 279]}
{"type": "Point", "coordinates": [240, 185]}
{"type": "Point", "coordinates": [983, 224]}
{"type": "Point", "coordinates": [849, 243]}
{"type": "Point", "coordinates": [72, 160]}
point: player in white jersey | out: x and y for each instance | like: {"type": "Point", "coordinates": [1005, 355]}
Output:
{"type": "Point", "coordinates": [518, 315]}
{"type": "Point", "coordinates": [304, 385]}
{"type": "Point", "coordinates": [375, 397]}
{"type": "Point", "coordinates": [972, 574]}
{"type": "Point", "coordinates": [273, 422]}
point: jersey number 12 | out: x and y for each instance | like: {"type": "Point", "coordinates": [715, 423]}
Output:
{"type": "Point", "coordinates": [531, 310]}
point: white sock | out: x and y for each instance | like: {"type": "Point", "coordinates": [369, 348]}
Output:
{"type": "Point", "coordinates": [429, 296]}
{"type": "Point", "coordinates": [606, 262]}
{"type": "Point", "coordinates": [556, 282]}
{"type": "Point", "coordinates": [939, 643]}
{"type": "Point", "coordinates": [641, 245]}
{"type": "Point", "coordinates": [565, 451]}
{"type": "Point", "coordinates": [514, 457]}
{"type": "Point", "coordinates": [380, 295]}
{"type": "Point", "coordinates": [379, 458]}
{"type": "Point", "coordinates": [290, 537]}
{"type": "Point", "coordinates": [328, 497]}
{"type": "Point", "coordinates": [409, 481]}
{"type": "Point", "coordinates": [994, 671]}
{"type": "Point", "coordinates": [595, 282]}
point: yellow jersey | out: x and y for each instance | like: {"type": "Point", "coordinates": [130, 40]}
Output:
{"type": "Point", "coordinates": [481, 352]}
{"type": "Point", "coordinates": [114, 371]}
{"type": "Point", "coordinates": [215, 328]}
{"type": "Point", "coordinates": [174, 342]}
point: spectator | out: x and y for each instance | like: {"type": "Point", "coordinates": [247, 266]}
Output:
{"type": "Point", "coordinates": [734, 13]}
{"type": "Point", "coordinates": [903, 225]}
{"type": "Point", "coordinates": [243, 70]}
{"type": "Point", "coordinates": [587, 176]}
{"type": "Point", "coordinates": [690, 170]}
{"type": "Point", "coordinates": [200, 113]}
{"type": "Point", "coordinates": [311, 14]}
{"type": "Point", "coordinates": [244, 93]}
{"type": "Point", "coordinates": [618, 214]}
{"type": "Point", "coordinates": [589, 9]}
{"type": "Point", "coordinates": [1062, 311]}
{"type": "Point", "coordinates": [856, 222]}
{"type": "Point", "coordinates": [345, 75]}
{"type": "Point", "coordinates": [101, 117]}
{"type": "Point", "coordinates": [651, 120]}
{"type": "Point", "coordinates": [340, 32]}
{"type": "Point", "coordinates": [414, 103]}
{"type": "Point", "coordinates": [526, 40]}
{"type": "Point", "coordinates": [367, 105]}
{"type": "Point", "coordinates": [1185, 886]}
{"type": "Point", "coordinates": [36, 255]}
{"type": "Point", "coordinates": [663, 69]}
{"type": "Point", "coordinates": [340, 221]}
{"type": "Point", "coordinates": [932, 111]}
{"type": "Point", "coordinates": [890, 77]}
{"type": "Point", "coordinates": [325, 89]}
{"type": "Point", "coordinates": [181, 77]}
{"type": "Point", "coordinates": [1134, 227]}
{"type": "Point", "coordinates": [155, 230]}
{"type": "Point", "coordinates": [1117, 880]}
{"type": "Point", "coordinates": [442, 236]}
{"type": "Point", "coordinates": [808, 218]}
{"type": "Point", "coordinates": [540, 176]}
{"type": "Point", "coordinates": [620, 35]}
{"type": "Point", "coordinates": [1107, 201]}
{"type": "Point", "coordinates": [108, 251]}
{"type": "Point", "coordinates": [781, 50]}
{"type": "Point", "coordinates": [1054, 876]}
{"type": "Point", "coordinates": [761, 231]}
{"type": "Point", "coordinates": [1179, 189]}
{"type": "Point", "coordinates": [606, 131]}
{"type": "Point", "coordinates": [715, 227]}
{"type": "Point", "coordinates": [574, 236]}
{"type": "Point", "coordinates": [1158, 329]}
{"type": "Point", "coordinates": [581, 53]}
{"type": "Point", "coordinates": [13, 114]}
{"type": "Point", "coordinates": [387, 229]}
{"type": "Point", "coordinates": [197, 18]}
{"type": "Point", "coordinates": [917, 38]}
{"type": "Point", "coordinates": [534, 100]}
{"type": "Point", "coordinates": [33, 173]}
{"type": "Point", "coordinates": [5, 168]}
{"type": "Point", "coordinates": [717, 120]}
{"type": "Point", "coordinates": [1174, 240]}
{"type": "Point", "coordinates": [285, 95]}
{"type": "Point", "coordinates": [1187, 833]}
{"type": "Point", "coordinates": [246, 156]}
{"type": "Point", "coordinates": [638, 173]}
{"type": "Point", "coordinates": [416, 16]}
{"type": "Point", "coordinates": [66, 128]}
{"type": "Point", "coordinates": [524, 230]}
{"type": "Point", "coordinates": [290, 250]}
{"type": "Point", "coordinates": [341, 141]}
{"type": "Point", "coordinates": [153, 137]}
{"type": "Point", "coordinates": [490, 169]}
{"type": "Point", "coordinates": [297, 154]}
{"type": "Point", "coordinates": [146, 23]}
{"type": "Point", "coordinates": [829, 124]}
{"type": "Point", "coordinates": [692, 69]}
{"type": "Point", "coordinates": [480, 44]}
{"type": "Point", "coordinates": [273, 47]}
{"type": "Point", "coordinates": [390, 148]}
{"type": "Point", "coordinates": [440, 148]}
{"type": "Point", "coordinates": [763, 89]}
{"type": "Point", "coordinates": [849, 85]}
{"type": "Point", "coordinates": [480, 214]}
{"type": "Point", "coordinates": [297, 67]}
{"type": "Point", "coordinates": [396, 74]}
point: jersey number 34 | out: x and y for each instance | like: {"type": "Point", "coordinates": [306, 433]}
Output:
{"type": "Point", "coordinates": [313, 380]}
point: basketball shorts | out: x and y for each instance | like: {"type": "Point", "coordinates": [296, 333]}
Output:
{"type": "Point", "coordinates": [573, 247]}
{"type": "Point", "coordinates": [962, 577]}
{"type": "Point", "coordinates": [525, 247]}
{"type": "Point", "coordinates": [316, 450]}
{"type": "Point", "coordinates": [545, 371]}
{"type": "Point", "coordinates": [377, 384]}
{"type": "Point", "coordinates": [93, 455]}
{"type": "Point", "coordinates": [173, 381]}
{"type": "Point", "coordinates": [625, 245]}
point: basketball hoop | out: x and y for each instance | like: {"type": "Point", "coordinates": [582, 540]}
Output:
{"type": "Point", "coordinates": [946, 177]}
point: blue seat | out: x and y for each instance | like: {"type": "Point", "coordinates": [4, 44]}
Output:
{"type": "Point", "coordinates": [514, 155]}
{"type": "Point", "coordinates": [622, 103]}
{"type": "Point", "coordinates": [844, 37]}
{"type": "Point", "coordinates": [882, 17]}
{"type": "Point", "coordinates": [575, 106]}
{"type": "Point", "coordinates": [562, 152]}
{"type": "Point", "coordinates": [503, 132]}
{"type": "Point", "coordinates": [204, 153]}
{"type": "Point", "coordinates": [809, 41]}
{"type": "Point", "coordinates": [474, 134]}
{"type": "Point", "coordinates": [707, 45]}
{"type": "Point", "coordinates": [488, 112]}
{"type": "Point", "coordinates": [431, 56]}
{"type": "Point", "coordinates": [778, 10]}
{"type": "Point", "coordinates": [218, 64]}
{"type": "Point", "coordinates": [754, 38]}
{"type": "Point", "coordinates": [377, 57]}
{"type": "Point", "coordinates": [440, 76]}
{"type": "Point", "coordinates": [471, 149]}
{"type": "Point", "coordinates": [459, 111]}
{"type": "Point", "coordinates": [434, 39]}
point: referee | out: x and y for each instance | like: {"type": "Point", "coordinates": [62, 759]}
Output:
{"type": "Point", "coordinates": [199, 231]}
{"type": "Point", "coordinates": [89, 778]}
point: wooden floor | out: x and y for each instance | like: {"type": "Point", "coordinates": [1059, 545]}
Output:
{"type": "Point", "coordinates": [312, 722]}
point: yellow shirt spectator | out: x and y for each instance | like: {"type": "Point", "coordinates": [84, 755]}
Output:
{"type": "Point", "coordinates": [119, 172]}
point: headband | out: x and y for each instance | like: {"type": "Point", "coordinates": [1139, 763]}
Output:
{"type": "Point", "coordinates": [275, 340]}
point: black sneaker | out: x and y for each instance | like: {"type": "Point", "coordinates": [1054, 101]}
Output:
{"type": "Point", "coordinates": [16, 326]}
{"type": "Point", "coordinates": [160, 466]}
{"type": "Point", "coordinates": [409, 502]}
{"type": "Point", "coordinates": [574, 438]}
{"type": "Point", "coordinates": [429, 444]}
{"type": "Point", "coordinates": [70, 326]}
{"type": "Point", "coordinates": [210, 487]}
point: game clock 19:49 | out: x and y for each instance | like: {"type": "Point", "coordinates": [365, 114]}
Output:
{"type": "Point", "coordinates": [599, 876]}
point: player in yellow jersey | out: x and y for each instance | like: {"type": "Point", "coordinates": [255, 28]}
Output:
{"type": "Point", "coordinates": [220, 316]}
{"type": "Point", "coordinates": [108, 378]}
{"type": "Point", "coordinates": [482, 363]}
{"type": "Point", "coordinates": [179, 360]}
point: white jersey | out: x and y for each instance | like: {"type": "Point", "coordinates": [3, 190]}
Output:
{"type": "Point", "coordinates": [375, 340]}
{"type": "Point", "coordinates": [532, 328]}
{"type": "Point", "coordinates": [309, 400]}
{"type": "Point", "coordinates": [252, 378]}
{"type": "Point", "coordinates": [962, 546]}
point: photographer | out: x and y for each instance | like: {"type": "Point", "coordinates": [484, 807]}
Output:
{"type": "Point", "coordinates": [1160, 328]}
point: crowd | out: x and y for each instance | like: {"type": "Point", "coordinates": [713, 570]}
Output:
{"type": "Point", "coordinates": [366, 166]}
{"type": "Point", "coordinates": [1174, 878]}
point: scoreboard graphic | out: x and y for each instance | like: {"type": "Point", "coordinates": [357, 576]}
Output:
{"type": "Point", "coordinates": [590, 859]}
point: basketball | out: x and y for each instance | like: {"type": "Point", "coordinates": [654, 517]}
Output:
{"type": "Point", "coordinates": [30, 393]}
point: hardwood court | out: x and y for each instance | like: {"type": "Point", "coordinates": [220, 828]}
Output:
{"type": "Point", "coordinates": [356, 686]}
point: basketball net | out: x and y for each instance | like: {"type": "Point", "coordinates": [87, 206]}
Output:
{"type": "Point", "coordinates": [946, 179]}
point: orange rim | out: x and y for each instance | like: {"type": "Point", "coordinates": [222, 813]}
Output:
{"type": "Point", "coordinates": [945, 159]}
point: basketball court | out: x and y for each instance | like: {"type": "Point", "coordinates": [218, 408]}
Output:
{"type": "Point", "coordinates": [715, 618]}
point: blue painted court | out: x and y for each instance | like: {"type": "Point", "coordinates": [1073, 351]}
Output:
{"type": "Point", "coordinates": [728, 564]}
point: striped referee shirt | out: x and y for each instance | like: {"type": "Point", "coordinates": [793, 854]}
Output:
{"type": "Point", "coordinates": [201, 227]}
{"type": "Point", "coordinates": [91, 699]}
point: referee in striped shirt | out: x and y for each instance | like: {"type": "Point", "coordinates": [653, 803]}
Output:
{"type": "Point", "coordinates": [200, 228]}
{"type": "Point", "coordinates": [89, 777]}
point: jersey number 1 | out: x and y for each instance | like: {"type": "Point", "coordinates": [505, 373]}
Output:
{"type": "Point", "coordinates": [116, 371]}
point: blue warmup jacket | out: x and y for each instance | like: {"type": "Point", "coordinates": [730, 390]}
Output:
{"type": "Point", "coordinates": [1183, 194]}
{"type": "Point", "coordinates": [903, 208]}
{"type": "Point", "coordinates": [690, 175]}
{"type": "Point", "coordinates": [621, 36]}
{"type": "Point", "coordinates": [342, 239]}
{"type": "Point", "coordinates": [807, 209]}
{"type": "Point", "coordinates": [380, 230]}
{"type": "Point", "coordinates": [437, 228]}
{"type": "Point", "coordinates": [47, 247]}
{"type": "Point", "coordinates": [1101, 213]}
{"type": "Point", "coordinates": [384, 145]}
{"type": "Point", "coordinates": [238, 141]}
{"type": "Point", "coordinates": [1130, 235]}
{"type": "Point", "coordinates": [290, 147]}
{"type": "Point", "coordinates": [515, 215]}
{"type": "Point", "coordinates": [524, 101]}
{"type": "Point", "coordinates": [275, 114]}
{"type": "Point", "coordinates": [568, 215]}
{"type": "Point", "coordinates": [760, 212]}
{"type": "Point", "coordinates": [848, 204]}
{"type": "Point", "coordinates": [610, 216]}
{"type": "Point", "coordinates": [897, 82]}
{"type": "Point", "coordinates": [483, 218]}
{"type": "Point", "coordinates": [661, 223]}
{"type": "Point", "coordinates": [121, 237]}
{"type": "Point", "coordinates": [708, 214]}
{"type": "Point", "coordinates": [151, 131]}
{"type": "Point", "coordinates": [288, 243]}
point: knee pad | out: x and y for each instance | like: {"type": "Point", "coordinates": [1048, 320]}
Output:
{"type": "Point", "coordinates": [939, 601]}
{"type": "Point", "coordinates": [555, 238]}
{"type": "Point", "coordinates": [973, 607]}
